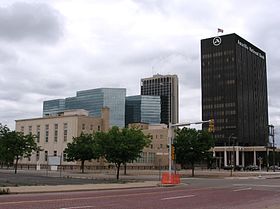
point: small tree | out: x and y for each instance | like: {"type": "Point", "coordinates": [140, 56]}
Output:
{"type": "Point", "coordinates": [120, 146]}
{"type": "Point", "coordinates": [5, 157]}
{"type": "Point", "coordinates": [192, 146]}
{"type": "Point", "coordinates": [82, 148]}
{"type": "Point", "coordinates": [135, 142]}
{"type": "Point", "coordinates": [15, 145]}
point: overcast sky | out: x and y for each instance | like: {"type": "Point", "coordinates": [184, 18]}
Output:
{"type": "Point", "coordinates": [50, 49]}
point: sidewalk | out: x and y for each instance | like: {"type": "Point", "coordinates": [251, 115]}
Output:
{"type": "Point", "coordinates": [82, 187]}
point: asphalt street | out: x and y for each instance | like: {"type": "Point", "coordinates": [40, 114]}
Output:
{"type": "Point", "coordinates": [192, 193]}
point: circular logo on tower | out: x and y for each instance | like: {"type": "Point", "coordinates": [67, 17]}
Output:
{"type": "Point", "coordinates": [217, 41]}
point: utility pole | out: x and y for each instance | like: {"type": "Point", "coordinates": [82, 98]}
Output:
{"type": "Point", "coordinates": [232, 154]}
{"type": "Point", "coordinates": [273, 154]}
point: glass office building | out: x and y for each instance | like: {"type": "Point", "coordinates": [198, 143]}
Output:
{"type": "Point", "coordinates": [94, 100]}
{"type": "Point", "coordinates": [53, 107]}
{"type": "Point", "coordinates": [234, 90]}
{"type": "Point", "coordinates": [142, 109]}
{"type": "Point", "coordinates": [165, 86]}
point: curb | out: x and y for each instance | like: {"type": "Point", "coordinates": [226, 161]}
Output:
{"type": "Point", "coordinates": [72, 188]}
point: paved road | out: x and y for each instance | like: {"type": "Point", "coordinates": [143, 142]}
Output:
{"type": "Point", "coordinates": [192, 193]}
{"type": "Point", "coordinates": [271, 184]}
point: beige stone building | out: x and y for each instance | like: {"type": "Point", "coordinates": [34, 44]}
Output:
{"type": "Point", "coordinates": [155, 155]}
{"type": "Point", "coordinates": [54, 132]}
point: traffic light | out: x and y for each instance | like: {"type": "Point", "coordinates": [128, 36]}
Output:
{"type": "Point", "coordinates": [172, 152]}
{"type": "Point", "coordinates": [211, 127]}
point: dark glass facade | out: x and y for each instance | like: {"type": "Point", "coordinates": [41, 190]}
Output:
{"type": "Point", "coordinates": [234, 90]}
{"type": "Point", "coordinates": [165, 86]}
{"type": "Point", "coordinates": [142, 109]}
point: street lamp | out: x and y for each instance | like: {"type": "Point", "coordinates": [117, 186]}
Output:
{"type": "Point", "coordinates": [271, 133]}
{"type": "Point", "coordinates": [232, 161]}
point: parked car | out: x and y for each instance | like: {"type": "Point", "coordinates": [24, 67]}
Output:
{"type": "Point", "coordinates": [238, 168]}
{"type": "Point", "coordinates": [276, 167]}
{"type": "Point", "coordinates": [252, 168]}
{"type": "Point", "coordinates": [228, 167]}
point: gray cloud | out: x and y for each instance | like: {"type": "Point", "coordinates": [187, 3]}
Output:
{"type": "Point", "coordinates": [104, 45]}
{"type": "Point", "coordinates": [34, 22]}
{"type": "Point", "coordinates": [7, 56]}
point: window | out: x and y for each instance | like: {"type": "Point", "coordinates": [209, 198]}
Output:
{"type": "Point", "coordinates": [22, 129]}
{"type": "Point", "coordinates": [47, 133]}
{"type": "Point", "coordinates": [65, 135]}
{"type": "Point", "coordinates": [30, 129]}
{"type": "Point", "coordinates": [83, 126]}
{"type": "Point", "coordinates": [46, 155]}
{"type": "Point", "coordinates": [65, 125]}
{"type": "Point", "coordinates": [98, 128]}
{"type": "Point", "coordinates": [91, 127]}
{"type": "Point", "coordinates": [151, 157]}
{"type": "Point", "coordinates": [38, 133]}
{"type": "Point", "coordinates": [55, 132]}
{"type": "Point", "coordinates": [54, 153]}
{"type": "Point", "coordinates": [37, 155]}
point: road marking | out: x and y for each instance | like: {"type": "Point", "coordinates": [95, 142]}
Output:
{"type": "Point", "coordinates": [243, 189]}
{"type": "Point", "coordinates": [258, 185]}
{"type": "Point", "coordinates": [100, 197]}
{"type": "Point", "coordinates": [90, 206]}
{"type": "Point", "coordinates": [177, 197]}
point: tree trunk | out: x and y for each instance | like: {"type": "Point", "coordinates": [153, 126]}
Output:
{"type": "Point", "coordinates": [124, 172]}
{"type": "Point", "coordinates": [16, 164]}
{"type": "Point", "coordinates": [118, 170]}
{"type": "Point", "coordinates": [83, 166]}
{"type": "Point", "coordinates": [192, 169]}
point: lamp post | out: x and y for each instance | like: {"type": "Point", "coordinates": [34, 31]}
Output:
{"type": "Point", "coordinates": [231, 159]}
{"type": "Point", "coordinates": [271, 133]}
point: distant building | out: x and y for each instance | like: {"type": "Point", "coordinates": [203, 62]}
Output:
{"type": "Point", "coordinates": [234, 90]}
{"type": "Point", "coordinates": [142, 109]}
{"type": "Point", "coordinates": [156, 155]}
{"type": "Point", "coordinates": [93, 101]}
{"type": "Point", "coordinates": [54, 132]}
{"type": "Point", "coordinates": [165, 86]}
{"type": "Point", "coordinates": [55, 106]}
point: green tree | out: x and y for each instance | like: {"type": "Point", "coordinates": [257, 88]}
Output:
{"type": "Point", "coordinates": [15, 145]}
{"type": "Point", "coordinates": [4, 156]}
{"type": "Point", "coordinates": [120, 146]}
{"type": "Point", "coordinates": [82, 148]}
{"type": "Point", "coordinates": [192, 146]}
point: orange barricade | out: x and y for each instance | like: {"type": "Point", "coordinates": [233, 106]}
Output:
{"type": "Point", "coordinates": [170, 178]}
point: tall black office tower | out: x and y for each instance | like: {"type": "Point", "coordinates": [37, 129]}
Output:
{"type": "Point", "coordinates": [165, 86]}
{"type": "Point", "coordinates": [234, 90]}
